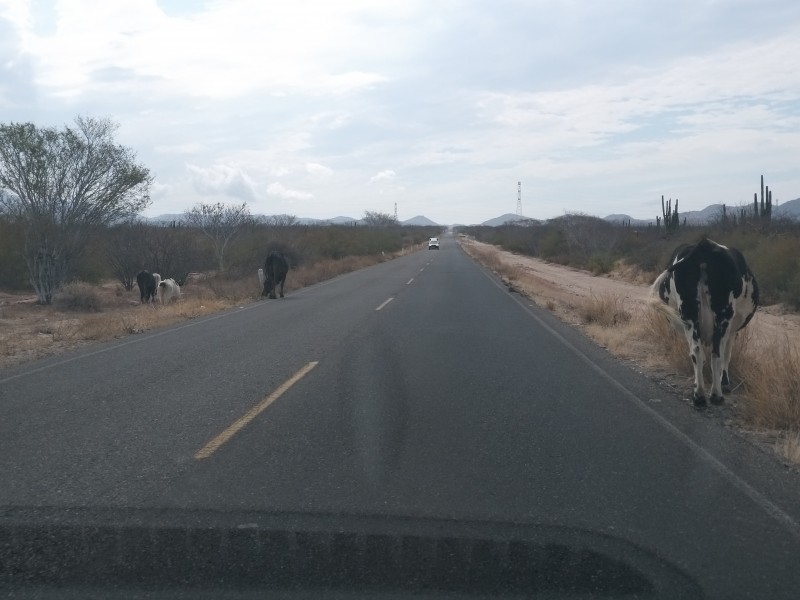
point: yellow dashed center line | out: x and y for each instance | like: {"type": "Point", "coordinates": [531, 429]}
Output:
{"type": "Point", "coordinates": [251, 414]}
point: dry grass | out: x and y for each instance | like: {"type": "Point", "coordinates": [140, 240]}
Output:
{"type": "Point", "coordinates": [322, 270]}
{"type": "Point", "coordinates": [772, 385]}
{"type": "Point", "coordinates": [487, 256]}
{"type": "Point", "coordinates": [78, 296]}
{"type": "Point", "coordinates": [509, 273]}
{"type": "Point", "coordinates": [605, 310]}
{"type": "Point", "coordinates": [788, 448]}
{"type": "Point", "coordinates": [670, 343]}
{"type": "Point", "coordinates": [83, 313]}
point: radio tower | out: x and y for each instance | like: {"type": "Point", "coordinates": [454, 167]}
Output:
{"type": "Point", "coordinates": [519, 198]}
{"type": "Point", "coordinates": [395, 211]}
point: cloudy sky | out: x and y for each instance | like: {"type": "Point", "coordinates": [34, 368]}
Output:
{"type": "Point", "coordinates": [322, 108]}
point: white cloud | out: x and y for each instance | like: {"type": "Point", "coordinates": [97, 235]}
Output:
{"type": "Point", "coordinates": [281, 191]}
{"type": "Point", "coordinates": [181, 149]}
{"type": "Point", "coordinates": [226, 50]}
{"type": "Point", "coordinates": [225, 180]}
{"type": "Point", "coordinates": [319, 170]}
{"type": "Point", "coordinates": [387, 175]}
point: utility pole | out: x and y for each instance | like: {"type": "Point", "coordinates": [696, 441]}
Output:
{"type": "Point", "coordinates": [519, 198]}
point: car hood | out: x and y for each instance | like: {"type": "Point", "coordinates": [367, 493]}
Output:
{"type": "Point", "coordinates": [235, 553]}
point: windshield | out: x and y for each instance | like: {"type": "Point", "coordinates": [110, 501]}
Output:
{"type": "Point", "coordinates": [231, 360]}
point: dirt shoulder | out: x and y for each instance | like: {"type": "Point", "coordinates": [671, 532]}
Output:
{"type": "Point", "coordinates": [564, 290]}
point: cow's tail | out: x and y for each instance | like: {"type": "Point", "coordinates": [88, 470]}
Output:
{"type": "Point", "coordinates": [655, 296]}
{"type": "Point", "coordinates": [656, 302]}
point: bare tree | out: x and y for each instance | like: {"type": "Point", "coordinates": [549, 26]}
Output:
{"type": "Point", "coordinates": [173, 251]}
{"type": "Point", "coordinates": [586, 234]}
{"type": "Point", "coordinates": [126, 248]}
{"type": "Point", "coordinates": [220, 223]}
{"type": "Point", "coordinates": [378, 219]}
{"type": "Point", "coordinates": [63, 186]}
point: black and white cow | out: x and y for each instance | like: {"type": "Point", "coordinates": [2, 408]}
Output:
{"type": "Point", "coordinates": [275, 269]}
{"type": "Point", "coordinates": [148, 286]}
{"type": "Point", "coordinates": [709, 291]}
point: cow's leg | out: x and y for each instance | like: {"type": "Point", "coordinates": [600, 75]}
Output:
{"type": "Point", "coordinates": [282, 288]}
{"type": "Point", "coordinates": [727, 349]}
{"type": "Point", "coordinates": [697, 354]}
{"type": "Point", "coordinates": [720, 349]}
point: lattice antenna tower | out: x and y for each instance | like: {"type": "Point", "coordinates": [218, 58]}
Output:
{"type": "Point", "coordinates": [395, 211]}
{"type": "Point", "coordinates": [519, 198]}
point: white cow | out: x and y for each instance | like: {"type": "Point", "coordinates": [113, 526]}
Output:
{"type": "Point", "coordinates": [168, 290]}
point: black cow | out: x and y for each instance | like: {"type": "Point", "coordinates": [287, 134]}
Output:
{"type": "Point", "coordinates": [275, 269]}
{"type": "Point", "coordinates": [148, 286]}
{"type": "Point", "coordinates": [708, 289]}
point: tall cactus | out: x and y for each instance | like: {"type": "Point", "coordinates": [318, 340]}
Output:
{"type": "Point", "coordinates": [763, 210]}
{"type": "Point", "coordinates": [671, 218]}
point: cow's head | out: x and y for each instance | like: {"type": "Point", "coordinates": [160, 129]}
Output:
{"type": "Point", "coordinates": [269, 285]}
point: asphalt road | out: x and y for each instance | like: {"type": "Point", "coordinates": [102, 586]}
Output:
{"type": "Point", "coordinates": [418, 388]}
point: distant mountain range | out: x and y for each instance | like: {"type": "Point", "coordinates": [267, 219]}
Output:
{"type": "Point", "coordinates": [789, 209]}
{"type": "Point", "coordinates": [419, 220]}
{"type": "Point", "coordinates": [505, 219]}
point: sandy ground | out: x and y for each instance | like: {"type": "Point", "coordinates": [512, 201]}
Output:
{"type": "Point", "coordinates": [566, 288]}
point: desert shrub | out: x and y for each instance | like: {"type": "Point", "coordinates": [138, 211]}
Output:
{"type": "Point", "coordinates": [776, 266]}
{"type": "Point", "coordinates": [606, 310]}
{"type": "Point", "coordinates": [553, 246]}
{"type": "Point", "coordinates": [79, 296]}
{"type": "Point", "coordinates": [772, 381]}
{"type": "Point", "coordinates": [600, 263]}
{"type": "Point", "coordinates": [792, 293]}
{"type": "Point", "coordinates": [644, 250]}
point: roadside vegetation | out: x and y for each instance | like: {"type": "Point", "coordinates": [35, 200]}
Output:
{"type": "Point", "coordinates": [772, 249]}
{"type": "Point", "coordinates": [765, 366]}
{"type": "Point", "coordinates": [100, 300]}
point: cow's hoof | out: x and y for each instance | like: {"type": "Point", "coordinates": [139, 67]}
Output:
{"type": "Point", "coordinates": [725, 383]}
{"type": "Point", "coordinates": [717, 400]}
{"type": "Point", "coordinates": [699, 401]}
